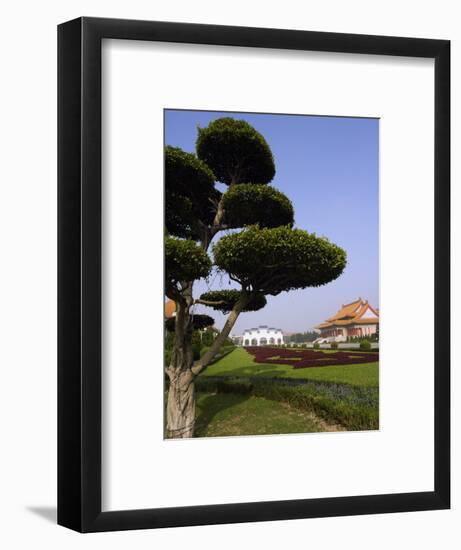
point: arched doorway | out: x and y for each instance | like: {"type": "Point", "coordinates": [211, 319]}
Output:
{"type": "Point", "coordinates": [247, 342]}
{"type": "Point", "coordinates": [254, 342]}
{"type": "Point", "coordinates": [271, 340]}
{"type": "Point", "coordinates": [263, 342]}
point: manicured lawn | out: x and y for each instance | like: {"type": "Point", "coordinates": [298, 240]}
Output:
{"type": "Point", "coordinates": [234, 414]}
{"type": "Point", "coordinates": [236, 396]}
{"type": "Point", "coordinates": [240, 363]}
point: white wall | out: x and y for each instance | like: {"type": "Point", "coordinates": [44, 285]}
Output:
{"type": "Point", "coordinates": [28, 273]}
{"type": "Point", "coordinates": [262, 332]}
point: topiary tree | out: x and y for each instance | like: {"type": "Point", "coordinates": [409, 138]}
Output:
{"type": "Point", "coordinates": [268, 256]}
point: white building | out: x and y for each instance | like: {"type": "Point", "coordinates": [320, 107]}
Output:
{"type": "Point", "coordinates": [262, 336]}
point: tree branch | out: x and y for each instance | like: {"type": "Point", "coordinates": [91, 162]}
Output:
{"type": "Point", "coordinates": [232, 278]}
{"type": "Point", "coordinates": [174, 294]}
{"type": "Point", "coordinates": [221, 227]}
{"type": "Point", "coordinates": [204, 361]}
{"type": "Point", "coordinates": [217, 224]}
{"type": "Point", "coordinates": [209, 302]}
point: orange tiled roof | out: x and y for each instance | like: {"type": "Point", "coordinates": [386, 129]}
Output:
{"type": "Point", "coordinates": [170, 309]}
{"type": "Point", "coordinates": [351, 314]}
{"type": "Point", "coordinates": [347, 310]}
{"type": "Point", "coordinates": [367, 321]}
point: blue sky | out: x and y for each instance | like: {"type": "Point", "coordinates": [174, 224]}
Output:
{"type": "Point", "coordinates": [328, 167]}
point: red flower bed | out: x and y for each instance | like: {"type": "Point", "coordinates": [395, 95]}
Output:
{"type": "Point", "coordinates": [300, 359]}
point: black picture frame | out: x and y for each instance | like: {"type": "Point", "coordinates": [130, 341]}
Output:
{"type": "Point", "coordinates": [79, 274]}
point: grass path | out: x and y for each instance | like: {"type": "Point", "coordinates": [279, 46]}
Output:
{"type": "Point", "coordinates": [240, 363]}
{"type": "Point", "coordinates": [232, 414]}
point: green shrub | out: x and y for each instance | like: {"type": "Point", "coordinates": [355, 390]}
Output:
{"type": "Point", "coordinates": [207, 337]}
{"type": "Point", "coordinates": [196, 351]}
{"type": "Point", "coordinates": [316, 345]}
{"type": "Point", "coordinates": [196, 344]}
{"type": "Point", "coordinates": [353, 408]}
{"type": "Point", "coordinates": [334, 345]}
{"type": "Point", "coordinates": [365, 345]}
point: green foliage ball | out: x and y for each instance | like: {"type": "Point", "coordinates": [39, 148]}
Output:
{"type": "Point", "coordinates": [187, 175]}
{"type": "Point", "coordinates": [208, 337]}
{"type": "Point", "coordinates": [274, 260]}
{"type": "Point", "coordinates": [199, 322]}
{"type": "Point", "coordinates": [247, 204]}
{"type": "Point", "coordinates": [235, 151]}
{"type": "Point", "coordinates": [190, 195]}
{"type": "Point", "coordinates": [184, 261]}
{"type": "Point", "coordinates": [230, 297]}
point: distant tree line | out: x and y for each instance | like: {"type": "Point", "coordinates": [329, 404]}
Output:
{"type": "Point", "coordinates": [301, 337]}
{"type": "Point", "coordinates": [310, 336]}
{"type": "Point", "coordinates": [201, 340]}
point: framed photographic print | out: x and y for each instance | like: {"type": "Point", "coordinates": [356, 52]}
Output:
{"type": "Point", "coordinates": [253, 274]}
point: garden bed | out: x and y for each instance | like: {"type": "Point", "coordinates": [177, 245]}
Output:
{"type": "Point", "coordinates": [306, 358]}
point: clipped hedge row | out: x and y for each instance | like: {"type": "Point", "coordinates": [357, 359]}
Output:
{"type": "Point", "coordinates": [354, 408]}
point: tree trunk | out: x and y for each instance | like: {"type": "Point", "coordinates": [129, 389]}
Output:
{"type": "Point", "coordinates": [180, 410]}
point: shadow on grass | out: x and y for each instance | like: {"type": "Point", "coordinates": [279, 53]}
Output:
{"type": "Point", "coordinates": [254, 370]}
{"type": "Point", "coordinates": [211, 405]}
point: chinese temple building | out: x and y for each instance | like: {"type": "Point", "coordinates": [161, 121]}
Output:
{"type": "Point", "coordinates": [358, 318]}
